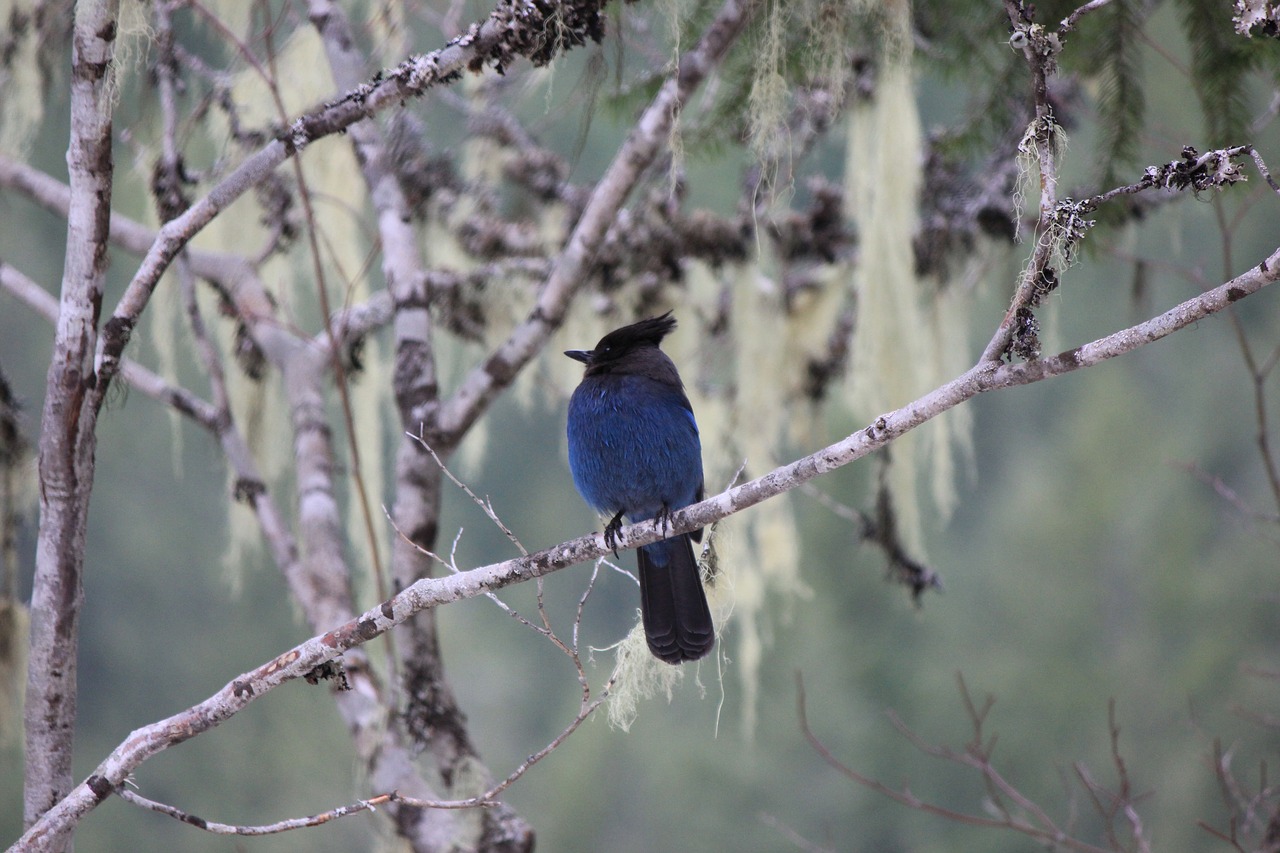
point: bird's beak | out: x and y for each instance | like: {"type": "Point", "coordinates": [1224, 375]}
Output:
{"type": "Point", "coordinates": [582, 355]}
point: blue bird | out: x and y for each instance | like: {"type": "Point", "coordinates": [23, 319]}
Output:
{"type": "Point", "coordinates": [634, 452]}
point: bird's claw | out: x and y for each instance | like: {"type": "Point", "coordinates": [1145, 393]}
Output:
{"type": "Point", "coordinates": [663, 520]}
{"type": "Point", "coordinates": [611, 533]}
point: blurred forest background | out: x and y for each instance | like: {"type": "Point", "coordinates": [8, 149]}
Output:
{"type": "Point", "coordinates": [1083, 531]}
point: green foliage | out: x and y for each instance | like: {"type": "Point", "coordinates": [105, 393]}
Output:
{"type": "Point", "coordinates": [962, 37]}
{"type": "Point", "coordinates": [994, 115]}
{"type": "Point", "coordinates": [1220, 63]}
{"type": "Point", "coordinates": [1116, 54]}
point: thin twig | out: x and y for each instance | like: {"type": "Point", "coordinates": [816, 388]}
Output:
{"type": "Point", "coordinates": [1044, 830]}
{"type": "Point", "coordinates": [1044, 833]}
{"type": "Point", "coordinates": [1252, 817]}
{"type": "Point", "coordinates": [791, 835]}
{"type": "Point", "coordinates": [486, 506]}
{"type": "Point", "coordinates": [1228, 494]}
{"type": "Point", "coordinates": [216, 828]}
{"type": "Point", "coordinates": [490, 797]}
{"type": "Point", "coordinates": [1069, 23]}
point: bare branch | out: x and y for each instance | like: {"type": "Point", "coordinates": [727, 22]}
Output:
{"type": "Point", "coordinates": [1233, 498]}
{"type": "Point", "coordinates": [266, 829]}
{"type": "Point", "coordinates": [1254, 816]}
{"type": "Point", "coordinates": [881, 530]}
{"type": "Point", "coordinates": [1042, 827]}
{"type": "Point", "coordinates": [235, 275]}
{"type": "Point", "coordinates": [1069, 22]}
{"type": "Point", "coordinates": [1262, 167]}
{"type": "Point", "coordinates": [571, 649]}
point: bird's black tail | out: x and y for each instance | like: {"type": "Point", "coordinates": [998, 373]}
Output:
{"type": "Point", "coordinates": [673, 605]}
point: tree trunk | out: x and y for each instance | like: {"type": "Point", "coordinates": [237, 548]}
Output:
{"type": "Point", "coordinates": [69, 421]}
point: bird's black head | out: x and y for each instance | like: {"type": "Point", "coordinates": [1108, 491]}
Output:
{"type": "Point", "coordinates": [610, 354]}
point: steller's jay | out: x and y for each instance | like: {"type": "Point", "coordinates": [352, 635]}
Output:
{"type": "Point", "coordinates": [634, 452]}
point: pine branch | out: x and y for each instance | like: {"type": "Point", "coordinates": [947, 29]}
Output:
{"type": "Point", "coordinates": [1220, 59]}
{"type": "Point", "coordinates": [1121, 102]}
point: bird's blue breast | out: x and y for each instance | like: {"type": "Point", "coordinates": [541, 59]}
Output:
{"type": "Point", "coordinates": [633, 446]}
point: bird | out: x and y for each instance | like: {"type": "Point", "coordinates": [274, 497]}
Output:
{"type": "Point", "coordinates": [634, 452]}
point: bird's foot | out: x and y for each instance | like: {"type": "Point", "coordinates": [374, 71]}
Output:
{"type": "Point", "coordinates": [611, 533]}
{"type": "Point", "coordinates": [663, 519]}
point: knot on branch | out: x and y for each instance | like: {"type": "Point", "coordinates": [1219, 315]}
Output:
{"type": "Point", "coordinates": [1210, 170]}
{"type": "Point", "coordinates": [169, 180]}
{"type": "Point", "coordinates": [330, 670]}
{"type": "Point", "coordinates": [1025, 342]}
{"type": "Point", "coordinates": [1045, 283]}
{"type": "Point", "coordinates": [249, 356]}
{"type": "Point", "coordinates": [247, 490]}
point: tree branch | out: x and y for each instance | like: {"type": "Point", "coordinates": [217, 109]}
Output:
{"type": "Point", "coordinates": [216, 828]}
{"type": "Point", "coordinates": [1029, 819]}
{"type": "Point", "coordinates": [1069, 23]}
{"type": "Point", "coordinates": [1040, 142]}
{"type": "Point", "coordinates": [234, 275]}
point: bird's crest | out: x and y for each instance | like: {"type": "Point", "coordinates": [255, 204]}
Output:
{"type": "Point", "coordinates": [650, 331]}
{"type": "Point", "coordinates": [632, 349]}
